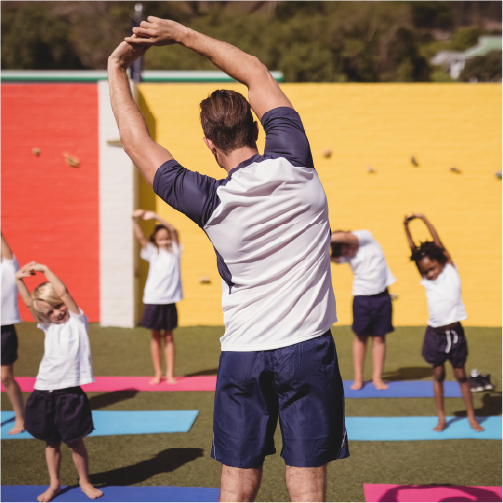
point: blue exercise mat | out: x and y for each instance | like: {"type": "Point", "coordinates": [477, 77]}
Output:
{"type": "Point", "coordinates": [123, 422]}
{"type": "Point", "coordinates": [116, 493]}
{"type": "Point", "coordinates": [420, 428]}
{"type": "Point", "coordinates": [402, 389]}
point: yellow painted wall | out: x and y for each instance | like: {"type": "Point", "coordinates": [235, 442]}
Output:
{"type": "Point", "coordinates": [378, 125]}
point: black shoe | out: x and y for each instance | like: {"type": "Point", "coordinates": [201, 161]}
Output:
{"type": "Point", "coordinates": [486, 381]}
{"type": "Point", "coordinates": [476, 384]}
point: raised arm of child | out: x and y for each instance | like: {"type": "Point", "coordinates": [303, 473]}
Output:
{"type": "Point", "coordinates": [406, 222]}
{"type": "Point", "coordinates": [136, 227]}
{"type": "Point", "coordinates": [344, 237]}
{"type": "Point", "coordinates": [433, 233]}
{"type": "Point", "coordinates": [6, 251]}
{"type": "Point", "coordinates": [25, 272]}
{"type": "Point", "coordinates": [152, 215]}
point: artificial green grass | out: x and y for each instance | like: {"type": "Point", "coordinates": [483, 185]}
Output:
{"type": "Point", "coordinates": [182, 459]}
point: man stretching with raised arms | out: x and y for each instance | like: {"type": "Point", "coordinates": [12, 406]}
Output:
{"type": "Point", "coordinates": [268, 222]}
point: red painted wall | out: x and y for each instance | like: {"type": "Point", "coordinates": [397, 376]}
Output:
{"type": "Point", "coordinates": [50, 211]}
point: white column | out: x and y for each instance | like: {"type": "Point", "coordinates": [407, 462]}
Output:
{"type": "Point", "coordinates": [118, 192]}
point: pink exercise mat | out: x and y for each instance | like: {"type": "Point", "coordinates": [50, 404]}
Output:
{"type": "Point", "coordinates": [199, 383]}
{"type": "Point", "coordinates": [392, 492]}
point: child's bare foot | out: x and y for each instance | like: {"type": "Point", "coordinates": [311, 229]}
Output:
{"type": "Point", "coordinates": [475, 425]}
{"type": "Point", "coordinates": [357, 385]}
{"type": "Point", "coordinates": [441, 424]}
{"type": "Point", "coordinates": [50, 494]}
{"type": "Point", "coordinates": [155, 380]}
{"type": "Point", "coordinates": [18, 428]}
{"type": "Point", "coordinates": [90, 491]}
{"type": "Point", "coordinates": [379, 384]}
{"type": "Point", "coordinates": [171, 380]}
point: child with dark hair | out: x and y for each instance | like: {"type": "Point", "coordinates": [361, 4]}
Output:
{"type": "Point", "coordinates": [444, 338]}
{"type": "Point", "coordinates": [162, 290]}
{"type": "Point", "coordinates": [372, 308]}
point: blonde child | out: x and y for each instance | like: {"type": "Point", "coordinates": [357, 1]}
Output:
{"type": "Point", "coordinates": [444, 338]}
{"type": "Point", "coordinates": [58, 410]}
{"type": "Point", "coordinates": [10, 315]}
{"type": "Point", "coordinates": [162, 289]}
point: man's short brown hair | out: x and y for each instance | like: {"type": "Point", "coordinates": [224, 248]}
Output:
{"type": "Point", "coordinates": [227, 120]}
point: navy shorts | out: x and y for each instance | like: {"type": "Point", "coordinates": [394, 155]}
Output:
{"type": "Point", "coordinates": [442, 345]}
{"type": "Point", "coordinates": [372, 314]}
{"type": "Point", "coordinates": [63, 414]}
{"type": "Point", "coordinates": [9, 345]}
{"type": "Point", "coordinates": [301, 384]}
{"type": "Point", "coordinates": [160, 317]}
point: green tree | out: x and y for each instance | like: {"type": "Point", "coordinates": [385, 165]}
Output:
{"type": "Point", "coordinates": [483, 68]}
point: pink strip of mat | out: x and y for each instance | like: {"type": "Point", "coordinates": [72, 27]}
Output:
{"type": "Point", "coordinates": [199, 383]}
{"type": "Point", "coordinates": [391, 492]}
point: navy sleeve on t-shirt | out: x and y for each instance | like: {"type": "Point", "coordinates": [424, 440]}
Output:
{"type": "Point", "coordinates": [285, 137]}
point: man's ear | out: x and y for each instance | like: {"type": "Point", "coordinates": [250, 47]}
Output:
{"type": "Point", "coordinates": [210, 145]}
{"type": "Point", "coordinates": [255, 131]}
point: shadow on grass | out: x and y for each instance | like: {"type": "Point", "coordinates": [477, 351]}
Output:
{"type": "Point", "coordinates": [166, 461]}
{"type": "Point", "coordinates": [479, 493]}
{"type": "Point", "coordinates": [491, 406]}
{"type": "Point", "coordinates": [408, 374]}
{"type": "Point", "coordinates": [210, 372]}
{"type": "Point", "coordinates": [101, 401]}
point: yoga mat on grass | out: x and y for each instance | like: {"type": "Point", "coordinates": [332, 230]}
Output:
{"type": "Point", "coordinates": [391, 492]}
{"type": "Point", "coordinates": [420, 428]}
{"type": "Point", "coordinates": [397, 389]}
{"type": "Point", "coordinates": [123, 422]}
{"type": "Point", "coordinates": [116, 493]}
{"type": "Point", "coordinates": [199, 383]}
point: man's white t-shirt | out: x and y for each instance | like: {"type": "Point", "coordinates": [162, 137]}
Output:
{"type": "Point", "coordinates": [371, 274]}
{"type": "Point", "coordinates": [268, 223]}
{"type": "Point", "coordinates": [164, 284]}
{"type": "Point", "coordinates": [9, 307]}
{"type": "Point", "coordinates": [67, 354]}
{"type": "Point", "coordinates": [445, 305]}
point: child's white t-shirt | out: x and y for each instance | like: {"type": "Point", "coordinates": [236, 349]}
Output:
{"type": "Point", "coordinates": [9, 307]}
{"type": "Point", "coordinates": [371, 274]}
{"type": "Point", "coordinates": [67, 354]}
{"type": "Point", "coordinates": [164, 285]}
{"type": "Point", "coordinates": [445, 305]}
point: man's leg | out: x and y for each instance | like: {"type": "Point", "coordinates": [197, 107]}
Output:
{"type": "Point", "coordinates": [306, 484]}
{"type": "Point", "coordinates": [240, 484]}
{"type": "Point", "coordinates": [359, 350]}
{"type": "Point", "coordinates": [378, 355]}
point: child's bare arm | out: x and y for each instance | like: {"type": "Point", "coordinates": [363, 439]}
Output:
{"type": "Point", "coordinates": [151, 215]}
{"type": "Point", "coordinates": [434, 235]}
{"type": "Point", "coordinates": [344, 237]}
{"type": "Point", "coordinates": [6, 252]}
{"type": "Point", "coordinates": [406, 221]}
{"type": "Point", "coordinates": [25, 272]}
{"type": "Point", "coordinates": [59, 287]}
{"type": "Point", "coordinates": [137, 229]}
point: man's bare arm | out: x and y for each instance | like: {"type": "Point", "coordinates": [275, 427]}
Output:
{"type": "Point", "coordinates": [264, 92]}
{"type": "Point", "coordinates": [146, 155]}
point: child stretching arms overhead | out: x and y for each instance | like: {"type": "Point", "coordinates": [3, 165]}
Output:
{"type": "Point", "coordinates": [10, 315]}
{"type": "Point", "coordinates": [162, 289]}
{"type": "Point", "coordinates": [444, 338]}
{"type": "Point", "coordinates": [58, 410]}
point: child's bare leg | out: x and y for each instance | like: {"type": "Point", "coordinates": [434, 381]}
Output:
{"type": "Point", "coordinates": [81, 462]}
{"type": "Point", "coordinates": [378, 355]}
{"type": "Point", "coordinates": [169, 350]}
{"type": "Point", "coordinates": [438, 387]}
{"type": "Point", "coordinates": [53, 459]}
{"type": "Point", "coordinates": [155, 350]}
{"type": "Point", "coordinates": [464, 384]}
{"type": "Point", "coordinates": [15, 397]}
{"type": "Point", "coordinates": [359, 350]}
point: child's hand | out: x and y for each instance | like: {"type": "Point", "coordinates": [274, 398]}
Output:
{"type": "Point", "coordinates": [38, 267]}
{"type": "Point", "coordinates": [407, 219]}
{"type": "Point", "coordinates": [138, 213]}
{"type": "Point", "coordinates": [418, 215]}
{"type": "Point", "coordinates": [26, 271]}
{"type": "Point", "coordinates": [150, 215]}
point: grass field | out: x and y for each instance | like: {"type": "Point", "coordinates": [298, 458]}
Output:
{"type": "Point", "coordinates": [183, 459]}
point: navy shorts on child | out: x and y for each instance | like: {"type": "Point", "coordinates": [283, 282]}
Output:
{"type": "Point", "coordinates": [59, 415]}
{"type": "Point", "coordinates": [160, 317]}
{"type": "Point", "coordinates": [9, 345]}
{"type": "Point", "coordinates": [441, 345]}
{"type": "Point", "coordinates": [301, 383]}
{"type": "Point", "coordinates": [372, 314]}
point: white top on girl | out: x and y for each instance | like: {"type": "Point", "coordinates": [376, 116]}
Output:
{"type": "Point", "coordinates": [67, 354]}
{"type": "Point", "coordinates": [371, 274]}
{"type": "Point", "coordinates": [445, 305]}
{"type": "Point", "coordinates": [164, 285]}
{"type": "Point", "coordinates": [9, 307]}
